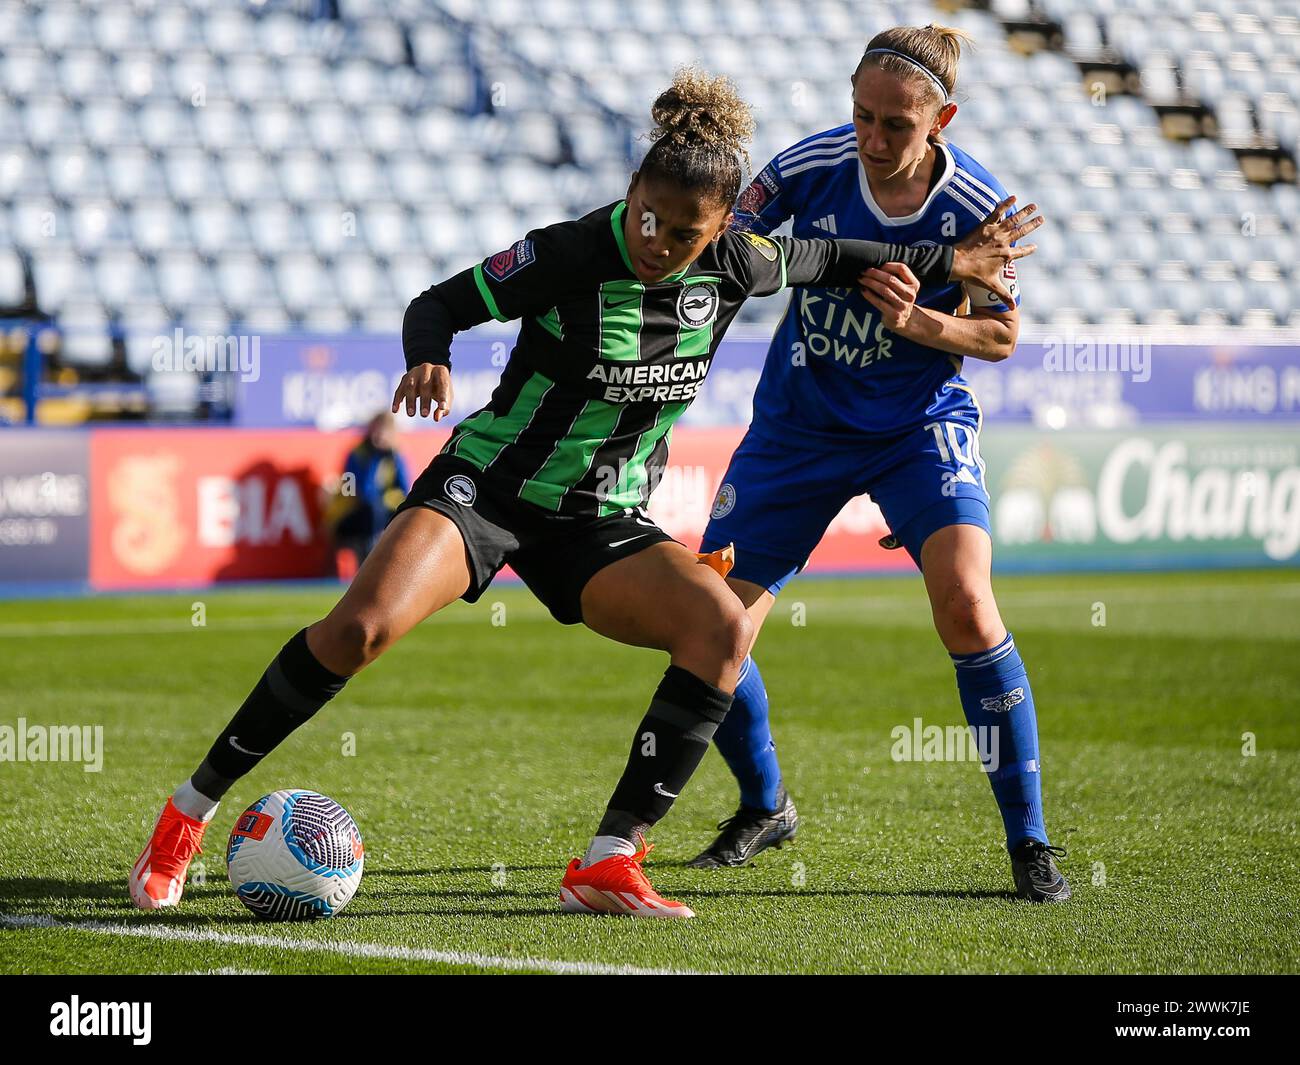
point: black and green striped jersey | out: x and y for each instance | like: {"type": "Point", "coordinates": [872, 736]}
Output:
{"type": "Point", "coordinates": [605, 363]}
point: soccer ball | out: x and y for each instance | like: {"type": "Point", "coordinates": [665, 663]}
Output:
{"type": "Point", "coordinates": [295, 855]}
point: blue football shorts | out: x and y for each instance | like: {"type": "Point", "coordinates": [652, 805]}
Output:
{"type": "Point", "coordinates": [777, 499]}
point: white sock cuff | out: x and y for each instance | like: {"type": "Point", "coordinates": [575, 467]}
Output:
{"type": "Point", "coordinates": [603, 847]}
{"type": "Point", "coordinates": [193, 803]}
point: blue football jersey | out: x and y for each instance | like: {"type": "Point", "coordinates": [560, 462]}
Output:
{"type": "Point", "coordinates": [833, 370]}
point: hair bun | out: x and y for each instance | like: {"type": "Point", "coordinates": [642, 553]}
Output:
{"type": "Point", "coordinates": [699, 107]}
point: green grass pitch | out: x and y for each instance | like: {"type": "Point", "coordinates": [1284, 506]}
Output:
{"type": "Point", "coordinates": [484, 753]}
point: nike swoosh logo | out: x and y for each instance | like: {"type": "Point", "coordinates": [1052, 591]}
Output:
{"type": "Point", "coordinates": [660, 791]}
{"type": "Point", "coordinates": [614, 304]}
{"type": "Point", "coordinates": [245, 750]}
{"type": "Point", "coordinates": [620, 543]}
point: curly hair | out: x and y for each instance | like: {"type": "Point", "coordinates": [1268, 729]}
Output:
{"type": "Point", "coordinates": [701, 129]}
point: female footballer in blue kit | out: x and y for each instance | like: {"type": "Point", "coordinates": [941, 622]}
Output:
{"type": "Point", "coordinates": [862, 393]}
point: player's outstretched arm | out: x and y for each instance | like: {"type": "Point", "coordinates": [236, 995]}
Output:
{"type": "Point", "coordinates": [431, 320]}
{"type": "Point", "coordinates": [979, 258]}
{"type": "Point", "coordinates": [527, 278]}
{"type": "Point", "coordinates": [764, 265]}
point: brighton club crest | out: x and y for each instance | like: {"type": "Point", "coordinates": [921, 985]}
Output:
{"type": "Point", "coordinates": [697, 305]}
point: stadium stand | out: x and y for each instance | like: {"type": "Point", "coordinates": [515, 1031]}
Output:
{"type": "Point", "coordinates": [272, 167]}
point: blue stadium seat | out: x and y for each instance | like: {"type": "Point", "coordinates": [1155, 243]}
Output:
{"type": "Point", "coordinates": [189, 133]}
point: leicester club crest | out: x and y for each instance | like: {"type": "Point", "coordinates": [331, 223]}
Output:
{"type": "Point", "coordinates": [725, 501]}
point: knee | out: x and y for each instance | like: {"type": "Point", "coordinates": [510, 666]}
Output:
{"type": "Point", "coordinates": [737, 634]}
{"type": "Point", "coordinates": [966, 617]}
{"type": "Point", "coordinates": [347, 645]}
{"type": "Point", "coordinates": [720, 633]}
{"type": "Point", "coordinates": [961, 606]}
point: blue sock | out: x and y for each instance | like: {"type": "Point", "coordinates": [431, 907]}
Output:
{"type": "Point", "coordinates": [994, 689]}
{"type": "Point", "coordinates": [745, 740]}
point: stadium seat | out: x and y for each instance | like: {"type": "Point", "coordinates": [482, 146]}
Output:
{"type": "Point", "coordinates": [142, 130]}
{"type": "Point", "coordinates": [275, 228]}
{"type": "Point", "coordinates": [12, 279]}
{"type": "Point", "coordinates": [86, 339]}
{"type": "Point", "coordinates": [241, 278]}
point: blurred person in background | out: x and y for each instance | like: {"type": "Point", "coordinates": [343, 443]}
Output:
{"type": "Point", "coordinates": [373, 485]}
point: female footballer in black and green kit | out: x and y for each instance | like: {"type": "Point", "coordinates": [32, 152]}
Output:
{"type": "Point", "coordinates": [622, 311]}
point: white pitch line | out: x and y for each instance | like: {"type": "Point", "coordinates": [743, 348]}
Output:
{"type": "Point", "coordinates": [350, 950]}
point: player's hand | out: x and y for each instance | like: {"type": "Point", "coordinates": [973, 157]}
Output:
{"type": "Point", "coordinates": [981, 255]}
{"type": "Point", "coordinates": [892, 289]}
{"type": "Point", "coordinates": [427, 385]}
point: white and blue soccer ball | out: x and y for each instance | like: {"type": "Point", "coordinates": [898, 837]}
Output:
{"type": "Point", "coordinates": [295, 855]}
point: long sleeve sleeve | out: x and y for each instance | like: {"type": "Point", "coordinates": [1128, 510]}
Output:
{"type": "Point", "coordinates": [838, 263]}
{"type": "Point", "coordinates": [436, 314]}
{"type": "Point", "coordinates": [768, 264]}
{"type": "Point", "coordinates": [527, 278]}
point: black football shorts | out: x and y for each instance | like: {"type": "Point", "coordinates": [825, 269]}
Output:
{"type": "Point", "coordinates": [555, 555]}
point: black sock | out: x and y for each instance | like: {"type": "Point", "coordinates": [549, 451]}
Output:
{"type": "Point", "coordinates": [670, 742]}
{"type": "Point", "coordinates": [294, 686]}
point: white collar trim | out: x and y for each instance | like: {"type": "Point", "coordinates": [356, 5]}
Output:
{"type": "Point", "coordinates": [949, 168]}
